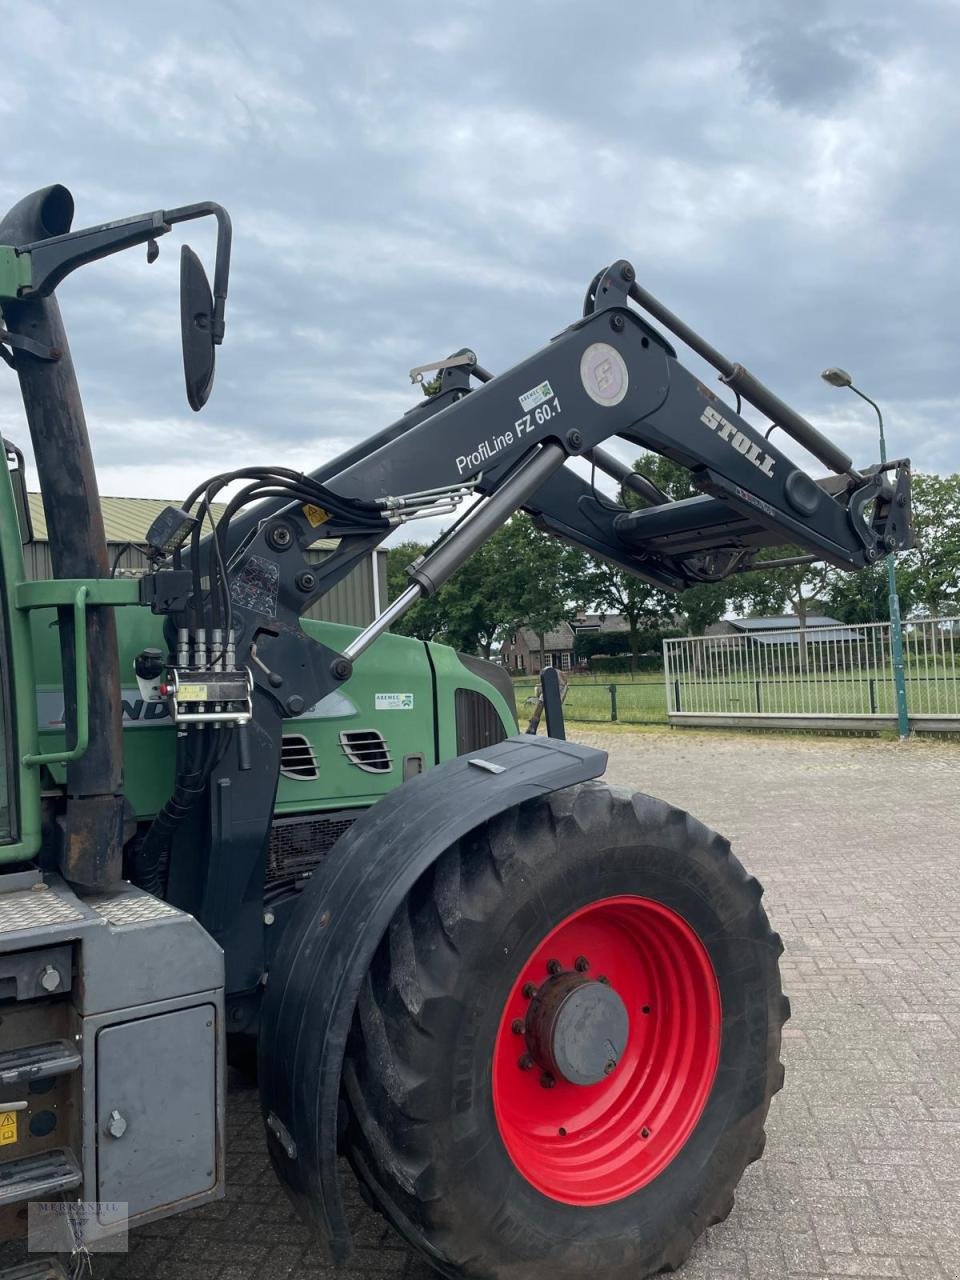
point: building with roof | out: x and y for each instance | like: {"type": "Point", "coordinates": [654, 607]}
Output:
{"type": "Point", "coordinates": [356, 600]}
{"type": "Point", "coordinates": [786, 630]}
{"type": "Point", "coordinates": [520, 653]}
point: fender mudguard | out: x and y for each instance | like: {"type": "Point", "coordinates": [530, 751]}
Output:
{"type": "Point", "coordinates": [335, 929]}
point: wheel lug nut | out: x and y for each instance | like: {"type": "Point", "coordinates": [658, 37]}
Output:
{"type": "Point", "coordinates": [581, 964]}
{"type": "Point", "coordinates": [553, 966]}
{"type": "Point", "coordinates": [529, 990]}
{"type": "Point", "coordinates": [525, 1063]}
{"type": "Point", "coordinates": [547, 1081]}
{"type": "Point", "coordinates": [517, 1026]}
{"type": "Point", "coordinates": [604, 979]}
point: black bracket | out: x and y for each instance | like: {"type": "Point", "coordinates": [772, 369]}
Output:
{"type": "Point", "coordinates": [19, 343]}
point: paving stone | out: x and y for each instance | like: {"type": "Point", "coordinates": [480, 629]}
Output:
{"type": "Point", "coordinates": [856, 843]}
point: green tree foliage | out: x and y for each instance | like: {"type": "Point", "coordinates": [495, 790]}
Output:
{"type": "Point", "coordinates": [519, 577]}
{"type": "Point", "coordinates": [705, 604]}
{"type": "Point", "coordinates": [930, 574]}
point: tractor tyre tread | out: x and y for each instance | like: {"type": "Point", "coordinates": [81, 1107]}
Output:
{"type": "Point", "coordinates": [411, 998]}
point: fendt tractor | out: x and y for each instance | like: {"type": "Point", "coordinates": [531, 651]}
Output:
{"type": "Point", "coordinates": [540, 1017]}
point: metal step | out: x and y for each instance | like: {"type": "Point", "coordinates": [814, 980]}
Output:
{"type": "Point", "coordinates": [38, 1062]}
{"type": "Point", "coordinates": [37, 1269]}
{"type": "Point", "coordinates": [32, 1177]}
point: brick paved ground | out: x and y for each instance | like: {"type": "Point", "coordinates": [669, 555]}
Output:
{"type": "Point", "coordinates": [857, 843]}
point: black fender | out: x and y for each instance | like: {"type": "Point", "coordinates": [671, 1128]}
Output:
{"type": "Point", "coordinates": [335, 929]}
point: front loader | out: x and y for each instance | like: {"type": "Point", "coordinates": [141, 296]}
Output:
{"type": "Point", "coordinates": [540, 1017]}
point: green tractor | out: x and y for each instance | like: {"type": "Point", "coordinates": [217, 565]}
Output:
{"type": "Point", "coordinates": [540, 1017]}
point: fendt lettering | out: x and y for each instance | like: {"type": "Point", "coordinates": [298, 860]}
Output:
{"type": "Point", "coordinates": [737, 440]}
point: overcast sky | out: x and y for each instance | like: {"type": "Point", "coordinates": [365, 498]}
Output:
{"type": "Point", "coordinates": [406, 178]}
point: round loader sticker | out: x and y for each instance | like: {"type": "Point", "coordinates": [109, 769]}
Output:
{"type": "Point", "coordinates": [604, 374]}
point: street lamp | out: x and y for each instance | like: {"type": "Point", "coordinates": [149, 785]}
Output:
{"type": "Point", "coordinates": [840, 378]}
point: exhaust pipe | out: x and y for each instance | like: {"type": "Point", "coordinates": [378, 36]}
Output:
{"type": "Point", "coordinates": [92, 845]}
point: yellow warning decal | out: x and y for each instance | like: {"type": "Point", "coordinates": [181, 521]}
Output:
{"type": "Point", "coordinates": [315, 515]}
{"type": "Point", "coordinates": [192, 693]}
{"type": "Point", "coordinates": [8, 1128]}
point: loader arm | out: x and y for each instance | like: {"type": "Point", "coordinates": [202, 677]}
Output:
{"type": "Point", "coordinates": [511, 442]}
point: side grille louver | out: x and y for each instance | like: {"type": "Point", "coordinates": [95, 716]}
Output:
{"type": "Point", "coordinates": [297, 759]}
{"type": "Point", "coordinates": [367, 749]}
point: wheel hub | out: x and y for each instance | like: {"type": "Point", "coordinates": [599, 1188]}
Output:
{"type": "Point", "coordinates": [625, 981]}
{"type": "Point", "coordinates": [577, 1028]}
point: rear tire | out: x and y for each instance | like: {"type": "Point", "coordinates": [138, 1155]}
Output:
{"type": "Point", "coordinates": [456, 1140]}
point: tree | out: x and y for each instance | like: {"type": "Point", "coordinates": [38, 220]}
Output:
{"type": "Point", "coordinates": [930, 574]}
{"type": "Point", "coordinates": [519, 577]}
{"type": "Point", "coordinates": [538, 578]}
{"type": "Point", "coordinates": [706, 603]}
{"type": "Point", "coordinates": [425, 619]}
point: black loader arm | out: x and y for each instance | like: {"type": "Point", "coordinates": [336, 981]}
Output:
{"type": "Point", "coordinates": [510, 442]}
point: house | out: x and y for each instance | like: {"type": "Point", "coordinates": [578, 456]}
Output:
{"type": "Point", "coordinates": [785, 630]}
{"type": "Point", "coordinates": [521, 652]}
{"type": "Point", "coordinates": [605, 624]}
{"type": "Point", "coordinates": [356, 600]}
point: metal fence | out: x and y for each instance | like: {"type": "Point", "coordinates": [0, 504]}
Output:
{"type": "Point", "coordinates": [820, 674]}
{"type": "Point", "coordinates": [627, 701]}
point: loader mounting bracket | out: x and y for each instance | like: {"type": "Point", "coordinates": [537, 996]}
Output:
{"type": "Point", "coordinates": [330, 941]}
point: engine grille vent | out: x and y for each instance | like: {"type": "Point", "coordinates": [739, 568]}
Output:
{"type": "Point", "coordinates": [298, 845]}
{"type": "Point", "coordinates": [367, 749]}
{"type": "Point", "coordinates": [296, 758]}
{"type": "Point", "coordinates": [478, 722]}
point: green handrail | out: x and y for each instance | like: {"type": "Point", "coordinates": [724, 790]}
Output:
{"type": "Point", "coordinates": [79, 603]}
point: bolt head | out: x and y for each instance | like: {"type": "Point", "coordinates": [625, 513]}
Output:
{"type": "Point", "coordinates": [617, 324]}
{"type": "Point", "coordinates": [517, 1026]}
{"type": "Point", "coordinates": [525, 1063]}
{"type": "Point", "coordinates": [529, 990]}
{"type": "Point", "coordinates": [295, 705]}
{"type": "Point", "coordinates": [116, 1125]}
{"type": "Point", "coordinates": [553, 966]}
{"type": "Point", "coordinates": [627, 273]}
{"type": "Point", "coordinates": [610, 1068]}
{"type": "Point", "coordinates": [547, 1081]}
{"type": "Point", "coordinates": [581, 964]}
{"type": "Point", "coordinates": [50, 978]}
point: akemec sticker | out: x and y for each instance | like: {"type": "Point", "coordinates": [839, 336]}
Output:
{"type": "Point", "coordinates": [393, 701]}
{"type": "Point", "coordinates": [8, 1128]}
{"type": "Point", "coordinates": [536, 395]}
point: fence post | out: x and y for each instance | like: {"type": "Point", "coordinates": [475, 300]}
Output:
{"type": "Point", "coordinates": [613, 702]}
{"type": "Point", "coordinates": [757, 687]}
{"type": "Point", "coordinates": [873, 696]}
{"type": "Point", "coordinates": [676, 695]}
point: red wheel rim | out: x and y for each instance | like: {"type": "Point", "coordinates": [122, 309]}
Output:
{"type": "Point", "coordinates": [595, 1143]}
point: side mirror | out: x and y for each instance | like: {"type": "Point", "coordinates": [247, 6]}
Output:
{"type": "Point", "coordinates": [196, 328]}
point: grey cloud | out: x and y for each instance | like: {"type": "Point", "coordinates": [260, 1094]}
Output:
{"type": "Point", "coordinates": [407, 179]}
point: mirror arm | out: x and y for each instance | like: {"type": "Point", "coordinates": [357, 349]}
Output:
{"type": "Point", "coordinates": [221, 269]}
{"type": "Point", "coordinates": [53, 259]}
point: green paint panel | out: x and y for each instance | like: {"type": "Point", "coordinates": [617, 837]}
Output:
{"type": "Point", "coordinates": [15, 271]}
{"type": "Point", "coordinates": [390, 692]}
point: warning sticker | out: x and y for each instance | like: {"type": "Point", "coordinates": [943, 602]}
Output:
{"type": "Point", "coordinates": [315, 515]}
{"type": "Point", "coordinates": [8, 1128]}
{"type": "Point", "coordinates": [393, 701]}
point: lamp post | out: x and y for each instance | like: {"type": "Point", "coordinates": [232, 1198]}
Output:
{"type": "Point", "coordinates": [840, 378]}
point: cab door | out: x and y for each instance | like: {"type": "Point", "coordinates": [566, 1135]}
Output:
{"type": "Point", "coordinates": [19, 783]}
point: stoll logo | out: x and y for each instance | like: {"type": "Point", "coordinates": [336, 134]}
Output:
{"type": "Point", "coordinates": [737, 440]}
